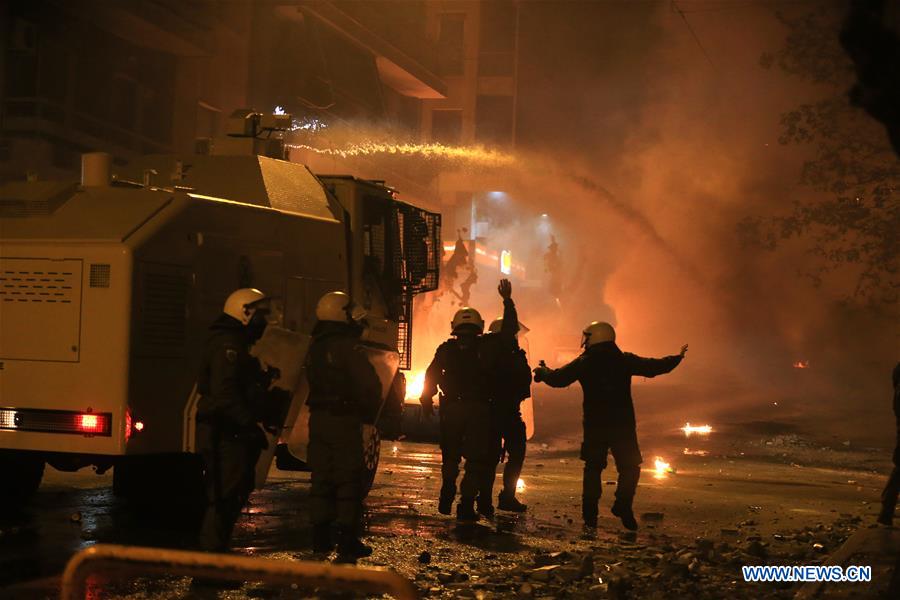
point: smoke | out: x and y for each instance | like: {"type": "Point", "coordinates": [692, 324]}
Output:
{"type": "Point", "coordinates": [657, 152]}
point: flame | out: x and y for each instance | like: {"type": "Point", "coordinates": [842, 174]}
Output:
{"type": "Point", "coordinates": [689, 452]}
{"type": "Point", "coordinates": [689, 429]}
{"type": "Point", "coordinates": [520, 485]}
{"type": "Point", "coordinates": [415, 384]}
{"type": "Point", "coordinates": [661, 468]}
{"type": "Point", "coordinates": [801, 364]}
{"type": "Point", "coordinates": [472, 153]}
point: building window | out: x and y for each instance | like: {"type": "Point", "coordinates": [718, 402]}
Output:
{"type": "Point", "coordinates": [497, 38]}
{"type": "Point", "coordinates": [446, 126]}
{"type": "Point", "coordinates": [451, 53]}
{"type": "Point", "coordinates": [494, 120]}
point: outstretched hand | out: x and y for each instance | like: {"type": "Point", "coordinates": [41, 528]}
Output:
{"type": "Point", "coordinates": [505, 289]}
{"type": "Point", "coordinates": [684, 350]}
{"type": "Point", "coordinates": [540, 373]}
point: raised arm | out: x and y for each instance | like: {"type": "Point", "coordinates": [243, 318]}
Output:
{"type": "Point", "coordinates": [510, 326]}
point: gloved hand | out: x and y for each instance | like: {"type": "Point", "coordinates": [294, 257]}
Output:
{"type": "Point", "coordinates": [541, 372]}
{"type": "Point", "coordinates": [427, 407]}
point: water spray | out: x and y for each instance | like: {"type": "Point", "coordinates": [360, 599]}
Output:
{"type": "Point", "coordinates": [491, 158]}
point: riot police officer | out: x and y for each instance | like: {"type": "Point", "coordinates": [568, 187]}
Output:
{"type": "Point", "coordinates": [605, 373]}
{"type": "Point", "coordinates": [233, 388]}
{"type": "Point", "coordinates": [461, 368]}
{"type": "Point", "coordinates": [511, 384]}
{"type": "Point", "coordinates": [344, 393]}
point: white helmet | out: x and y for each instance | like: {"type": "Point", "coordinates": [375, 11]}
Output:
{"type": "Point", "coordinates": [337, 306]}
{"type": "Point", "coordinates": [467, 317]}
{"type": "Point", "coordinates": [242, 304]}
{"type": "Point", "coordinates": [596, 333]}
{"type": "Point", "coordinates": [497, 324]}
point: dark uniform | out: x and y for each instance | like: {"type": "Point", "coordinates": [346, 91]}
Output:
{"type": "Point", "coordinates": [463, 367]}
{"type": "Point", "coordinates": [232, 386]}
{"type": "Point", "coordinates": [892, 488]}
{"type": "Point", "coordinates": [605, 373]}
{"type": "Point", "coordinates": [344, 393]}
{"type": "Point", "coordinates": [511, 385]}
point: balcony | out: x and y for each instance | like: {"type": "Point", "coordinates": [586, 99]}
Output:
{"type": "Point", "coordinates": [394, 34]}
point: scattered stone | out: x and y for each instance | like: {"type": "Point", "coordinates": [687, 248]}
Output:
{"type": "Point", "coordinates": [543, 573]}
{"type": "Point", "coordinates": [445, 577]}
{"type": "Point", "coordinates": [756, 548]}
{"type": "Point", "coordinates": [652, 516]}
{"type": "Point", "coordinates": [818, 548]}
{"type": "Point", "coordinates": [729, 532]}
{"type": "Point", "coordinates": [587, 566]}
{"type": "Point", "coordinates": [526, 589]}
{"type": "Point", "coordinates": [567, 574]}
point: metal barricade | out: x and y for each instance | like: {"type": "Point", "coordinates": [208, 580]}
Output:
{"type": "Point", "coordinates": [140, 560]}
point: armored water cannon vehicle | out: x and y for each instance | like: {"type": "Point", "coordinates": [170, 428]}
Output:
{"type": "Point", "coordinates": [108, 286]}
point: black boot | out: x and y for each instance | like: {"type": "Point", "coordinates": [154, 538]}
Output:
{"type": "Point", "coordinates": [322, 541]}
{"type": "Point", "coordinates": [626, 515]}
{"type": "Point", "coordinates": [510, 502]}
{"type": "Point", "coordinates": [445, 504]}
{"type": "Point", "coordinates": [445, 501]}
{"type": "Point", "coordinates": [350, 548]}
{"type": "Point", "coordinates": [465, 511]}
{"type": "Point", "coordinates": [485, 508]}
{"type": "Point", "coordinates": [589, 511]}
{"type": "Point", "coordinates": [886, 516]}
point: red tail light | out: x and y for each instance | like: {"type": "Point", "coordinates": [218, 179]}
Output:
{"type": "Point", "coordinates": [91, 423]}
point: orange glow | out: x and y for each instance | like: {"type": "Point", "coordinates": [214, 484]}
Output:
{"type": "Point", "coordinates": [415, 384]}
{"type": "Point", "coordinates": [690, 430]}
{"type": "Point", "coordinates": [801, 364]}
{"type": "Point", "coordinates": [661, 468]}
{"type": "Point", "coordinates": [689, 452]}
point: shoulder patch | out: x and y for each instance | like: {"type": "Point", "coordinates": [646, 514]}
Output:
{"type": "Point", "coordinates": [231, 354]}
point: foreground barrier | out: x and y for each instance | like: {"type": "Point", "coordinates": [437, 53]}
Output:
{"type": "Point", "coordinates": [135, 560]}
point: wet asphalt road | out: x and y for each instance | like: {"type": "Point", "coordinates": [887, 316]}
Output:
{"type": "Point", "coordinates": [739, 489]}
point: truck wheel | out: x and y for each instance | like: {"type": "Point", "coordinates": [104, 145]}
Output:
{"type": "Point", "coordinates": [22, 474]}
{"type": "Point", "coordinates": [371, 455]}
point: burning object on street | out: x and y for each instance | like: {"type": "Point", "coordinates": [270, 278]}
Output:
{"type": "Point", "coordinates": [801, 364]}
{"type": "Point", "coordinates": [690, 430]}
{"type": "Point", "coordinates": [415, 385]}
{"type": "Point", "coordinates": [689, 452]}
{"type": "Point", "coordinates": [661, 469]}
